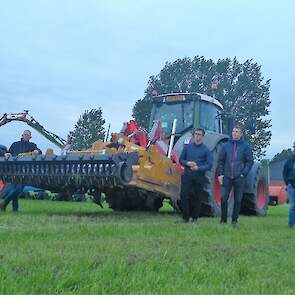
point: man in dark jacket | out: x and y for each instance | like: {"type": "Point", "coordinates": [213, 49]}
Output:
{"type": "Point", "coordinates": [18, 147]}
{"type": "Point", "coordinates": [23, 146]}
{"type": "Point", "coordinates": [197, 159]}
{"type": "Point", "coordinates": [289, 178]}
{"type": "Point", "coordinates": [234, 163]}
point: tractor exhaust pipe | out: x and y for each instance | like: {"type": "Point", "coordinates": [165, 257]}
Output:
{"type": "Point", "coordinates": [172, 138]}
{"type": "Point", "coordinates": [107, 133]}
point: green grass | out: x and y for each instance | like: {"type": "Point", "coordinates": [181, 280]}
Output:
{"type": "Point", "coordinates": [64, 248]}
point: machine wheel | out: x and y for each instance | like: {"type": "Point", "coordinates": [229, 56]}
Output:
{"type": "Point", "coordinates": [175, 204]}
{"type": "Point", "coordinates": [256, 195]}
{"type": "Point", "coordinates": [78, 197]}
{"type": "Point", "coordinates": [42, 196]}
{"type": "Point", "coordinates": [133, 200]}
{"type": "Point", "coordinates": [62, 197]}
{"type": "Point", "coordinates": [117, 200]}
{"type": "Point", "coordinates": [25, 195]}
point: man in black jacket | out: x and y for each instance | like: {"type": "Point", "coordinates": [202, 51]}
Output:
{"type": "Point", "coordinates": [18, 147]}
{"type": "Point", "coordinates": [234, 163]}
{"type": "Point", "coordinates": [289, 178]}
{"type": "Point", "coordinates": [197, 159]}
{"type": "Point", "coordinates": [23, 146]}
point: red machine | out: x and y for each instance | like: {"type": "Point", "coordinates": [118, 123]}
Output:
{"type": "Point", "coordinates": [277, 192]}
{"type": "Point", "coordinates": [1, 185]}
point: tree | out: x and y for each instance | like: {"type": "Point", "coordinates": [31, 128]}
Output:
{"type": "Point", "coordinates": [241, 89]}
{"type": "Point", "coordinates": [88, 129]}
{"type": "Point", "coordinates": [283, 155]}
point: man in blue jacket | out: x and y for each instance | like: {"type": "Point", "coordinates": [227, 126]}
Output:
{"type": "Point", "coordinates": [18, 147]}
{"type": "Point", "coordinates": [289, 178]}
{"type": "Point", "coordinates": [234, 163]}
{"type": "Point", "coordinates": [197, 159]}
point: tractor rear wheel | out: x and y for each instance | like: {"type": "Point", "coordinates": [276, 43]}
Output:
{"type": "Point", "coordinates": [211, 205]}
{"type": "Point", "coordinates": [256, 195]}
{"type": "Point", "coordinates": [42, 196]}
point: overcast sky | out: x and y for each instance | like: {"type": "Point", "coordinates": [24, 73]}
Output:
{"type": "Point", "coordinates": [60, 58]}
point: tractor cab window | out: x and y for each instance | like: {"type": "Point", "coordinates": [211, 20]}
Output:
{"type": "Point", "coordinates": [210, 117]}
{"type": "Point", "coordinates": [167, 112]}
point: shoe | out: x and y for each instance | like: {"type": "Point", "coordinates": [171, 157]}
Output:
{"type": "Point", "coordinates": [194, 220]}
{"type": "Point", "coordinates": [222, 222]}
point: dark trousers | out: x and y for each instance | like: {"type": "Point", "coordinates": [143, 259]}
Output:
{"type": "Point", "coordinates": [192, 188]}
{"type": "Point", "coordinates": [12, 195]}
{"type": "Point", "coordinates": [237, 184]}
{"type": "Point", "coordinates": [6, 189]}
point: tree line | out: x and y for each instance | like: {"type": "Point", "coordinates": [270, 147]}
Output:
{"type": "Point", "coordinates": [242, 90]}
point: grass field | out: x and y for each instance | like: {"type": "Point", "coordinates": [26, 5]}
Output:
{"type": "Point", "coordinates": [64, 248]}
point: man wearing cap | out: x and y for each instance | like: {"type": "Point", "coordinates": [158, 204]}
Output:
{"type": "Point", "coordinates": [289, 178]}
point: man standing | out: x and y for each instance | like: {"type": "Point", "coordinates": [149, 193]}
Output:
{"type": "Point", "coordinates": [289, 178]}
{"type": "Point", "coordinates": [197, 159]}
{"type": "Point", "coordinates": [234, 163]}
{"type": "Point", "coordinates": [22, 146]}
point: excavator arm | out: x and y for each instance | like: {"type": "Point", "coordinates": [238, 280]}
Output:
{"type": "Point", "coordinates": [26, 118]}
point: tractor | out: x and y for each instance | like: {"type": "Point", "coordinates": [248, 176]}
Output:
{"type": "Point", "coordinates": [136, 170]}
{"type": "Point", "coordinates": [194, 110]}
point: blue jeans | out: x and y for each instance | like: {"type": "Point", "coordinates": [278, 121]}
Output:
{"type": "Point", "coordinates": [13, 196]}
{"type": "Point", "coordinates": [291, 196]}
